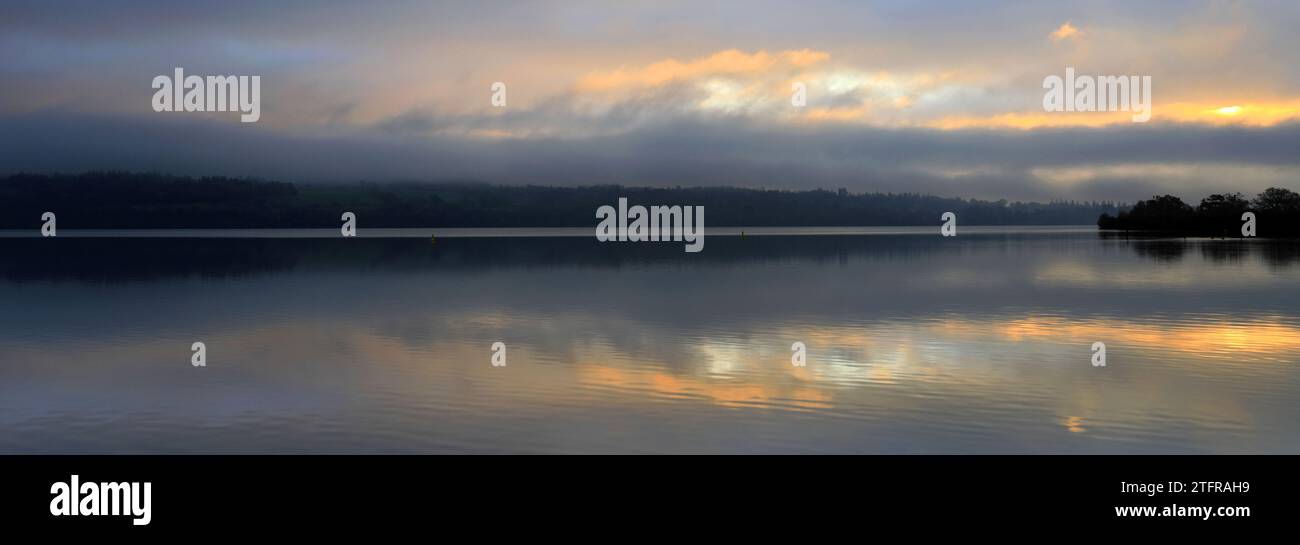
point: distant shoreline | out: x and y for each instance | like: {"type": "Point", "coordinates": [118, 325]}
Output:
{"type": "Point", "coordinates": [538, 232]}
{"type": "Point", "coordinates": [123, 200]}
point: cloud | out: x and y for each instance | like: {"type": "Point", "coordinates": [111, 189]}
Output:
{"type": "Point", "coordinates": [901, 96]}
{"type": "Point", "coordinates": [1065, 163]}
{"type": "Point", "coordinates": [731, 62]}
{"type": "Point", "coordinates": [1066, 31]}
{"type": "Point", "coordinates": [411, 121]}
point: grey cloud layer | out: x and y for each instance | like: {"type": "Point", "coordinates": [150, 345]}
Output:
{"type": "Point", "coordinates": [75, 94]}
{"type": "Point", "coordinates": [976, 163]}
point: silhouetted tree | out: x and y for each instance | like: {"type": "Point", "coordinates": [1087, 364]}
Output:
{"type": "Point", "coordinates": [1220, 214]}
{"type": "Point", "coordinates": [1276, 199]}
{"type": "Point", "coordinates": [1165, 212]}
{"type": "Point", "coordinates": [1277, 214]}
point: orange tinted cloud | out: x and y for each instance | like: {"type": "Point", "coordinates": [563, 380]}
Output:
{"type": "Point", "coordinates": [1210, 111]}
{"type": "Point", "coordinates": [758, 84]}
{"type": "Point", "coordinates": [728, 62]}
{"type": "Point", "coordinates": [1065, 32]}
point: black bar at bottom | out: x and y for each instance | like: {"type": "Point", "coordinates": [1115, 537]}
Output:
{"type": "Point", "coordinates": [550, 495]}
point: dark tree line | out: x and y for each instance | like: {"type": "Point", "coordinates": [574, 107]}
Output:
{"type": "Point", "coordinates": [1277, 213]}
{"type": "Point", "coordinates": [117, 200]}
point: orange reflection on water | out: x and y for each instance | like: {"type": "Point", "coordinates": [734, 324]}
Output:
{"type": "Point", "coordinates": [741, 394]}
{"type": "Point", "coordinates": [1265, 336]}
{"type": "Point", "coordinates": [1075, 424]}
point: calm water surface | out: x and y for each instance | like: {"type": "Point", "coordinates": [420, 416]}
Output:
{"type": "Point", "coordinates": [916, 343]}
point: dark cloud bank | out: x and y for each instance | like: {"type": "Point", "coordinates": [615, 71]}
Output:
{"type": "Point", "coordinates": [989, 164]}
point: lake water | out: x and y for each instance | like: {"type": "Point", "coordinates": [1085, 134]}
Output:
{"type": "Point", "coordinates": [915, 343]}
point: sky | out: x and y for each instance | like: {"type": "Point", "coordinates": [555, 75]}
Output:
{"type": "Point", "coordinates": [901, 96]}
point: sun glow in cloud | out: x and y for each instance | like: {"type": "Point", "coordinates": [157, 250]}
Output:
{"type": "Point", "coordinates": [1255, 114]}
{"type": "Point", "coordinates": [1260, 114]}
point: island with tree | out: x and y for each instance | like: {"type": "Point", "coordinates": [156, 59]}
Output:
{"type": "Point", "coordinates": [1276, 211]}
